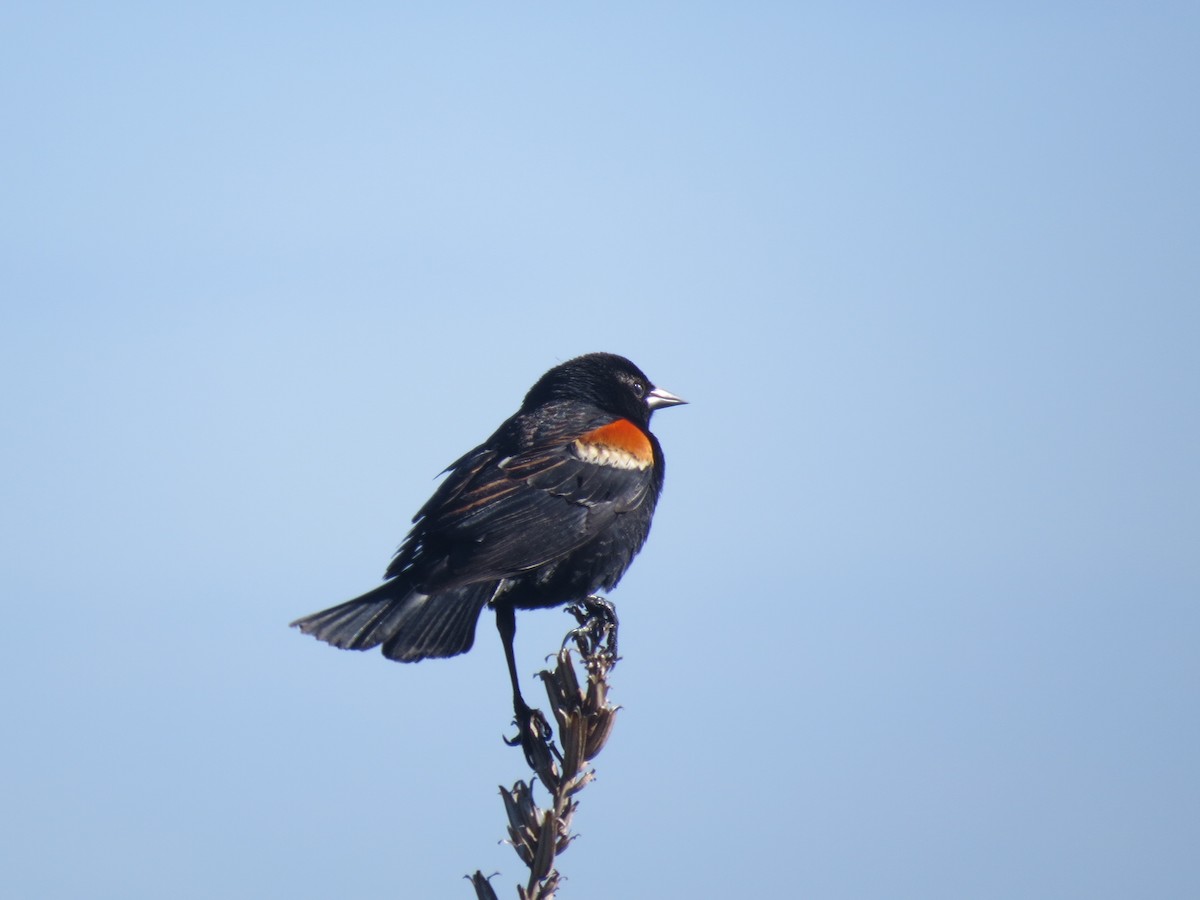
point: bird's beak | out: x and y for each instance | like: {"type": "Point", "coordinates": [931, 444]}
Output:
{"type": "Point", "coordinates": [658, 398]}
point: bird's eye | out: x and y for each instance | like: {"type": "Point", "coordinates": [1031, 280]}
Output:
{"type": "Point", "coordinates": [639, 390]}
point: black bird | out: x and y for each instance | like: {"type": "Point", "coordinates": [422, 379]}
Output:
{"type": "Point", "coordinates": [549, 509]}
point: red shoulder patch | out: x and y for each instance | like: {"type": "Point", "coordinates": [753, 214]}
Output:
{"type": "Point", "coordinates": [624, 437]}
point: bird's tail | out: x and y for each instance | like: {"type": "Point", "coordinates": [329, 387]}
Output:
{"type": "Point", "coordinates": [410, 625]}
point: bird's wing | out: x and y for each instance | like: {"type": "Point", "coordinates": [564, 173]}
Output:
{"type": "Point", "coordinates": [498, 516]}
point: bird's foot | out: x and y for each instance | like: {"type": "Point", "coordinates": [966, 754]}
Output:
{"type": "Point", "coordinates": [535, 737]}
{"type": "Point", "coordinates": [596, 636]}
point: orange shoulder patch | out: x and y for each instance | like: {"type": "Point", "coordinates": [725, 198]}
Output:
{"type": "Point", "coordinates": [622, 438]}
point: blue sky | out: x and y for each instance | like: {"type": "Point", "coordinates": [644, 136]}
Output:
{"type": "Point", "coordinates": [919, 614]}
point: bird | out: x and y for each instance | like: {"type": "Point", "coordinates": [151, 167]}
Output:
{"type": "Point", "coordinates": [551, 508]}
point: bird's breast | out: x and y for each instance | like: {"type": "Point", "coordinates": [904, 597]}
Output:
{"type": "Point", "coordinates": [620, 444]}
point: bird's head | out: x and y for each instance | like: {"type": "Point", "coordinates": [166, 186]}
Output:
{"type": "Point", "coordinates": [609, 381]}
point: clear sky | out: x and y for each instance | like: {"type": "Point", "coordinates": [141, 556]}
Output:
{"type": "Point", "coordinates": [920, 613]}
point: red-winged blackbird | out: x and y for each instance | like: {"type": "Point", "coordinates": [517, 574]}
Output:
{"type": "Point", "coordinates": [550, 508]}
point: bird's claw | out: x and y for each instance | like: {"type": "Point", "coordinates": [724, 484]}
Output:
{"type": "Point", "coordinates": [596, 635]}
{"type": "Point", "coordinates": [535, 737]}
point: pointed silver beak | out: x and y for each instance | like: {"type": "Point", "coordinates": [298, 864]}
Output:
{"type": "Point", "coordinates": [658, 398]}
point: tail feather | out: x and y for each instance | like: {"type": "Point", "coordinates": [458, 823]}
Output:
{"type": "Point", "coordinates": [410, 625]}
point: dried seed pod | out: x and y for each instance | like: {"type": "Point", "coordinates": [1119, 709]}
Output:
{"type": "Point", "coordinates": [599, 728]}
{"type": "Point", "coordinates": [483, 887]}
{"type": "Point", "coordinates": [543, 859]}
{"type": "Point", "coordinates": [524, 820]}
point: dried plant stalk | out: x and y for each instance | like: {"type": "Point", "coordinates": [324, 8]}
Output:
{"type": "Point", "coordinates": [585, 720]}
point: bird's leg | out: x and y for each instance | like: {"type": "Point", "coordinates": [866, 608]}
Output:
{"type": "Point", "coordinates": [506, 624]}
{"type": "Point", "coordinates": [534, 734]}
